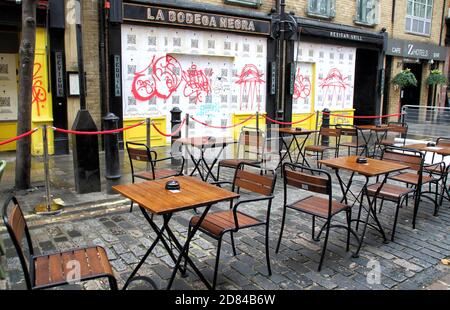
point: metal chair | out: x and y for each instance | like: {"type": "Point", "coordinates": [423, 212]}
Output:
{"type": "Point", "coordinates": [325, 207]}
{"type": "Point", "coordinates": [141, 153]}
{"type": "Point", "coordinates": [55, 269]}
{"type": "Point", "coordinates": [320, 147]}
{"type": "Point", "coordinates": [251, 142]}
{"type": "Point", "coordinates": [395, 130]}
{"type": "Point", "coordinates": [414, 178]}
{"type": "Point", "coordinates": [356, 142]}
{"type": "Point", "coordinates": [217, 224]}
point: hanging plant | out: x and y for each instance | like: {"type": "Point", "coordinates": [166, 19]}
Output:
{"type": "Point", "coordinates": [436, 78]}
{"type": "Point", "coordinates": [404, 79]}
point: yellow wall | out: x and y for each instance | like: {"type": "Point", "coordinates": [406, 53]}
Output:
{"type": "Point", "coordinates": [240, 117]}
{"type": "Point", "coordinates": [41, 102]}
{"type": "Point", "coordinates": [139, 133]}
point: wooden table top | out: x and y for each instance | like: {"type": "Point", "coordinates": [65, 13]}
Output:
{"type": "Point", "coordinates": [373, 167]}
{"type": "Point", "coordinates": [438, 149]}
{"type": "Point", "coordinates": [374, 127]}
{"type": "Point", "coordinates": [206, 141]}
{"type": "Point", "coordinates": [294, 131]}
{"type": "Point", "coordinates": [193, 193]}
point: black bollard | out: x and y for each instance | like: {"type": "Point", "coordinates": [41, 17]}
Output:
{"type": "Point", "coordinates": [325, 124]}
{"type": "Point", "coordinates": [85, 155]}
{"type": "Point", "coordinates": [112, 160]}
{"type": "Point", "coordinates": [175, 121]}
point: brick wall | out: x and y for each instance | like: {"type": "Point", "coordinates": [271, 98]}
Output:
{"type": "Point", "coordinates": [265, 7]}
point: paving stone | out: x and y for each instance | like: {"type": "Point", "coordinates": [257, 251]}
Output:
{"type": "Point", "coordinates": [74, 233]}
{"type": "Point", "coordinates": [120, 249]}
{"type": "Point", "coordinates": [317, 278]}
{"type": "Point", "coordinates": [129, 258]}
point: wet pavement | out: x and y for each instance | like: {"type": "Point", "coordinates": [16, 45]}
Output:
{"type": "Point", "coordinates": [412, 261]}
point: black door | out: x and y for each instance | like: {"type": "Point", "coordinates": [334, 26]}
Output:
{"type": "Point", "coordinates": [365, 86]}
{"type": "Point", "coordinates": [411, 95]}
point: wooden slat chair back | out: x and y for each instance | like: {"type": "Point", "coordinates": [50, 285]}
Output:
{"type": "Point", "coordinates": [398, 127]}
{"type": "Point", "coordinates": [308, 182]}
{"type": "Point", "coordinates": [140, 152]}
{"type": "Point", "coordinates": [414, 159]}
{"type": "Point", "coordinates": [254, 182]}
{"type": "Point", "coordinates": [251, 142]}
{"type": "Point", "coordinates": [443, 141]}
{"type": "Point", "coordinates": [18, 229]}
{"type": "Point", "coordinates": [329, 132]}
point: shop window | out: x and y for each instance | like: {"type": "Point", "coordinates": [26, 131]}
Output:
{"type": "Point", "coordinates": [251, 3]}
{"type": "Point", "coordinates": [367, 12]}
{"type": "Point", "coordinates": [321, 8]}
{"type": "Point", "coordinates": [418, 16]}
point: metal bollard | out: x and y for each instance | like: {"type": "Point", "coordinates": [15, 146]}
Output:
{"type": "Point", "coordinates": [175, 122]}
{"type": "Point", "coordinates": [326, 124]}
{"type": "Point", "coordinates": [48, 207]}
{"type": "Point", "coordinates": [148, 122]}
{"type": "Point", "coordinates": [112, 161]}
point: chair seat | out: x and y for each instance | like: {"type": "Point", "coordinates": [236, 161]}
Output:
{"type": "Point", "coordinates": [352, 144]}
{"type": "Point", "coordinates": [159, 174]}
{"type": "Point", "coordinates": [387, 142]}
{"type": "Point", "coordinates": [218, 223]}
{"type": "Point", "coordinates": [318, 206]}
{"type": "Point", "coordinates": [234, 163]}
{"type": "Point", "coordinates": [318, 148]}
{"type": "Point", "coordinates": [389, 191]}
{"type": "Point", "coordinates": [55, 269]}
{"type": "Point", "coordinates": [411, 178]}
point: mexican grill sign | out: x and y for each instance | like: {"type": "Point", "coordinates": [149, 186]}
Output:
{"type": "Point", "coordinates": [176, 17]}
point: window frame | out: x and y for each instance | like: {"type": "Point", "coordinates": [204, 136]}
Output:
{"type": "Point", "coordinates": [417, 18]}
{"type": "Point", "coordinates": [249, 3]}
{"type": "Point", "coordinates": [331, 10]}
{"type": "Point", "coordinates": [357, 20]}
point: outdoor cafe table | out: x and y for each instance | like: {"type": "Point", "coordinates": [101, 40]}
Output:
{"type": "Point", "coordinates": [151, 196]}
{"type": "Point", "coordinates": [377, 131]}
{"type": "Point", "coordinates": [423, 147]}
{"type": "Point", "coordinates": [299, 146]}
{"type": "Point", "coordinates": [373, 168]}
{"type": "Point", "coordinates": [203, 144]}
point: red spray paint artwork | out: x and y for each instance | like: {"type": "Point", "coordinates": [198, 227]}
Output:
{"type": "Point", "coordinates": [161, 78]}
{"type": "Point", "coordinates": [197, 82]}
{"type": "Point", "coordinates": [38, 91]}
{"type": "Point", "coordinates": [250, 87]}
{"type": "Point", "coordinates": [334, 86]}
{"type": "Point", "coordinates": [302, 86]}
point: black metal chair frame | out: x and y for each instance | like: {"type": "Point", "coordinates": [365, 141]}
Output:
{"type": "Point", "coordinates": [29, 271]}
{"type": "Point", "coordinates": [320, 141]}
{"type": "Point", "coordinates": [327, 225]}
{"type": "Point", "coordinates": [379, 140]}
{"type": "Point", "coordinates": [234, 207]}
{"type": "Point", "coordinates": [260, 151]}
{"type": "Point", "coordinates": [349, 130]}
{"type": "Point", "coordinates": [299, 146]}
{"type": "Point", "coordinates": [151, 163]}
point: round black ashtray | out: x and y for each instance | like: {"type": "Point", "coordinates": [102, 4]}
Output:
{"type": "Point", "coordinates": [431, 144]}
{"type": "Point", "coordinates": [361, 160]}
{"type": "Point", "coordinates": [172, 185]}
{"type": "Point", "coordinates": [298, 129]}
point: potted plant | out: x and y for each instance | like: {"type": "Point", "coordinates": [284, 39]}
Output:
{"type": "Point", "coordinates": [436, 78]}
{"type": "Point", "coordinates": [404, 79]}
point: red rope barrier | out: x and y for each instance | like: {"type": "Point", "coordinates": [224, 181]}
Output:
{"type": "Point", "coordinates": [289, 123]}
{"type": "Point", "coordinates": [104, 132]}
{"type": "Point", "coordinates": [171, 134]}
{"type": "Point", "coordinates": [32, 131]}
{"type": "Point", "coordinates": [363, 116]}
{"type": "Point", "coordinates": [223, 127]}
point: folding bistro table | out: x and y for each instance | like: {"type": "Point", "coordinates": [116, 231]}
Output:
{"type": "Point", "coordinates": [151, 196]}
{"type": "Point", "coordinates": [376, 131]}
{"type": "Point", "coordinates": [373, 168]}
{"type": "Point", "coordinates": [203, 144]}
{"type": "Point", "coordinates": [299, 146]}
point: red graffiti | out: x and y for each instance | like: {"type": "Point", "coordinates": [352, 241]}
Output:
{"type": "Point", "coordinates": [197, 82]}
{"type": "Point", "coordinates": [161, 78]}
{"type": "Point", "coordinates": [38, 92]}
{"type": "Point", "coordinates": [250, 82]}
{"type": "Point", "coordinates": [335, 83]}
{"type": "Point", "coordinates": [302, 86]}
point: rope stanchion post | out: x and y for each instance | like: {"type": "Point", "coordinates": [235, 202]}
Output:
{"type": "Point", "coordinates": [257, 121]}
{"type": "Point", "coordinates": [48, 207]}
{"type": "Point", "coordinates": [112, 161]}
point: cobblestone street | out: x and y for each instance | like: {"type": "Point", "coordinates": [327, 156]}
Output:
{"type": "Point", "coordinates": [412, 261]}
